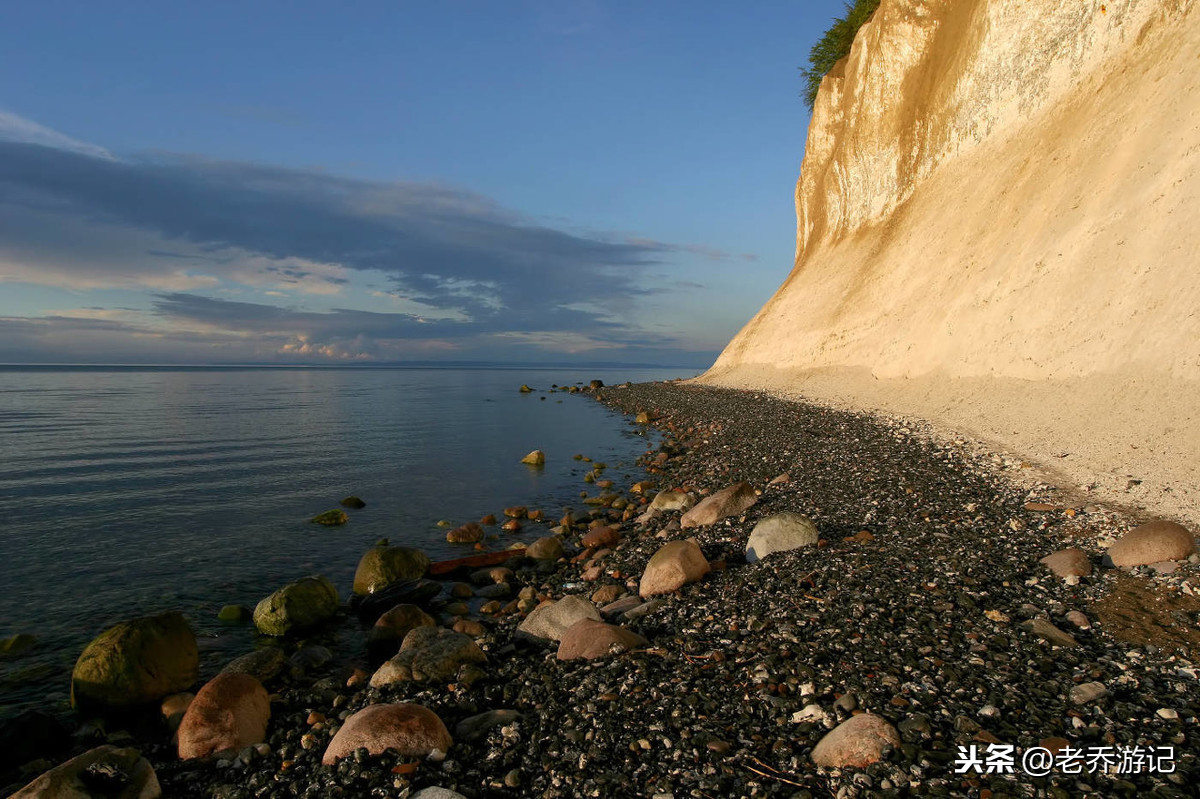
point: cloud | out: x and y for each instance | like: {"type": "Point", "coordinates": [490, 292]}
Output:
{"type": "Point", "coordinates": [19, 129]}
{"type": "Point", "coordinates": [167, 220]}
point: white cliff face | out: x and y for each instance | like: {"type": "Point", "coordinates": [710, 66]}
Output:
{"type": "Point", "coordinates": [998, 187]}
{"type": "Point", "coordinates": [998, 228]}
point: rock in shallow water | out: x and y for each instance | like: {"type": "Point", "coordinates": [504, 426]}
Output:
{"type": "Point", "coordinates": [379, 567]}
{"type": "Point", "coordinates": [135, 663]}
{"type": "Point", "coordinates": [307, 603]}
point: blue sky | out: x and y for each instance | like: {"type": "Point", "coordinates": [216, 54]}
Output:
{"type": "Point", "coordinates": [507, 181]}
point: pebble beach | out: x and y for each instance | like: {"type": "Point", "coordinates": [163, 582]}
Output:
{"type": "Point", "coordinates": [919, 618]}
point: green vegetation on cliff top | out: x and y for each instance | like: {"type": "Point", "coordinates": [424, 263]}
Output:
{"type": "Point", "coordinates": [834, 45]}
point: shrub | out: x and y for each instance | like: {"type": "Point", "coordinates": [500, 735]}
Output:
{"type": "Point", "coordinates": [834, 45]}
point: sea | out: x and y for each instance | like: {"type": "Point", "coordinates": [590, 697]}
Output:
{"type": "Point", "coordinates": [128, 491]}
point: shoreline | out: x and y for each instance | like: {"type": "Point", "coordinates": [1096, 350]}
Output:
{"type": "Point", "coordinates": [746, 669]}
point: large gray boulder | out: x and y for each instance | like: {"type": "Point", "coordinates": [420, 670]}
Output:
{"type": "Point", "coordinates": [780, 533]}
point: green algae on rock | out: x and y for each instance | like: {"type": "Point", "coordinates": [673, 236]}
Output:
{"type": "Point", "coordinates": [135, 663]}
{"type": "Point", "coordinates": [331, 518]}
{"type": "Point", "coordinates": [299, 606]}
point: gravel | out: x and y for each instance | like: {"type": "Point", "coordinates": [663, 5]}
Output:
{"type": "Point", "coordinates": [925, 621]}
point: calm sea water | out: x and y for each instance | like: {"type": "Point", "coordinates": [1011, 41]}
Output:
{"type": "Point", "coordinates": [129, 491]}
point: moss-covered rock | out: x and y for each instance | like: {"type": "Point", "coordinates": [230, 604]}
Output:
{"type": "Point", "coordinates": [234, 614]}
{"type": "Point", "coordinates": [299, 606]}
{"type": "Point", "coordinates": [331, 518]}
{"type": "Point", "coordinates": [135, 663]}
{"type": "Point", "coordinates": [16, 644]}
{"type": "Point", "coordinates": [353, 502]}
{"type": "Point", "coordinates": [382, 566]}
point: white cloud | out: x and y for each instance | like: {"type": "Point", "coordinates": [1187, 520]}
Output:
{"type": "Point", "coordinates": [18, 128]}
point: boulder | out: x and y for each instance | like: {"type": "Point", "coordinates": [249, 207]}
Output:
{"type": "Point", "coordinates": [857, 742]}
{"type": "Point", "coordinates": [548, 548]}
{"type": "Point", "coordinates": [674, 565]}
{"type": "Point", "coordinates": [231, 711]}
{"type": "Point", "coordinates": [469, 533]}
{"type": "Point", "coordinates": [331, 518]}
{"type": "Point", "coordinates": [235, 614]}
{"type": "Point", "coordinates": [1068, 563]}
{"type": "Point", "coordinates": [590, 639]}
{"type": "Point", "coordinates": [135, 663]}
{"type": "Point", "coordinates": [411, 592]}
{"type": "Point", "coordinates": [379, 567]}
{"type": "Point", "coordinates": [535, 458]}
{"type": "Point", "coordinates": [429, 653]}
{"type": "Point", "coordinates": [104, 771]}
{"type": "Point", "coordinates": [353, 502]}
{"type": "Point", "coordinates": [727, 502]}
{"type": "Point", "coordinates": [437, 792]}
{"type": "Point", "coordinates": [779, 533]}
{"type": "Point", "coordinates": [392, 627]}
{"type": "Point", "coordinates": [307, 603]}
{"type": "Point", "coordinates": [671, 500]}
{"type": "Point", "coordinates": [495, 574]}
{"type": "Point", "coordinates": [263, 664]}
{"type": "Point", "coordinates": [549, 621]}
{"type": "Point", "coordinates": [407, 729]}
{"type": "Point", "coordinates": [1153, 542]}
{"type": "Point", "coordinates": [601, 537]}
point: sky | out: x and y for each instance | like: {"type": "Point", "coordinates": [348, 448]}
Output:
{"type": "Point", "coordinates": [575, 181]}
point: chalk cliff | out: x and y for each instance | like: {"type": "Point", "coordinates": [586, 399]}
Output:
{"type": "Point", "coordinates": [998, 229]}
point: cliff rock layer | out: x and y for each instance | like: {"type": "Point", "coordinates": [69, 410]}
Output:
{"type": "Point", "coordinates": [998, 229]}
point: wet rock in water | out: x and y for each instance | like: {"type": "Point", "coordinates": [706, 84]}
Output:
{"type": "Point", "coordinates": [1150, 543]}
{"type": "Point", "coordinates": [671, 500]}
{"type": "Point", "coordinates": [461, 591]}
{"type": "Point", "coordinates": [135, 663]}
{"type": "Point", "coordinates": [297, 607]}
{"type": "Point", "coordinates": [642, 418]}
{"type": "Point", "coordinates": [535, 458]}
{"type": "Point", "coordinates": [595, 384]}
{"type": "Point", "coordinates": [379, 567]}
{"type": "Point", "coordinates": [524, 389]}
{"type": "Point", "coordinates": [469, 533]}
{"type": "Point", "coordinates": [235, 614]}
{"type": "Point", "coordinates": [858, 741]}
{"type": "Point", "coordinates": [311, 657]}
{"type": "Point", "coordinates": [353, 502]}
{"type": "Point", "coordinates": [516, 512]}
{"type": "Point", "coordinates": [548, 622]}
{"type": "Point", "coordinates": [411, 592]}
{"type": "Point", "coordinates": [263, 664]}
{"type": "Point", "coordinates": [547, 548]}
{"type": "Point", "coordinates": [408, 729]}
{"type": "Point", "coordinates": [511, 526]}
{"type": "Point", "coordinates": [429, 653]}
{"type": "Point", "coordinates": [495, 591]}
{"type": "Point", "coordinates": [590, 639]}
{"type": "Point", "coordinates": [105, 771]}
{"type": "Point", "coordinates": [231, 711]}
{"type": "Point", "coordinates": [727, 502]}
{"type": "Point", "coordinates": [674, 565]}
{"type": "Point", "coordinates": [1068, 563]}
{"type": "Point", "coordinates": [779, 533]}
{"type": "Point", "coordinates": [15, 645]}
{"type": "Point", "coordinates": [331, 518]}
{"type": "Point", "coordinates": [476, 727]}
